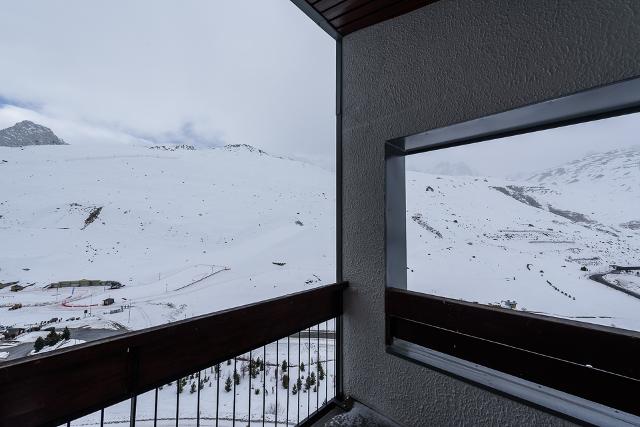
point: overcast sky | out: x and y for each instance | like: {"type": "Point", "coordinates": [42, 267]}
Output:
{"type": "Point", "coordinates": [203, 72]}
{"type": "Point", "coordinates": [527, 154]}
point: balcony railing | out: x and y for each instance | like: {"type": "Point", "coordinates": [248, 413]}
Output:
{"type": "Point", "coordinates": [220, 369]}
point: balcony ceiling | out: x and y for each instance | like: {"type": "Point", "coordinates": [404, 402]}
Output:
{"type": "Point", "coordinates": [347, 16]}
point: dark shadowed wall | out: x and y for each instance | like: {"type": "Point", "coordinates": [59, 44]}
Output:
{"type": "Point", "coordinates": [445, 63]}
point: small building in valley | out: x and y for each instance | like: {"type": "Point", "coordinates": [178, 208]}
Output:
{"type": "Point", "coordinates": [108, 301]}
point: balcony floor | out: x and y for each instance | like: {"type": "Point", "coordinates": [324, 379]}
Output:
{"type": "Point", "coordinates": [359, 416]}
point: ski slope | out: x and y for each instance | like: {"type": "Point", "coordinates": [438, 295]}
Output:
{"type": "Point", "coordinates": [187, 232]}
{"type": "Point", "coordinates": [491, 240]}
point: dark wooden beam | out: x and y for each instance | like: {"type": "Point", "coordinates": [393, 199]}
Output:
{"type": "Point", "coordinates": [603, 347]}
{"type": "Point", "coordinates": [322, 5]}
{"type": "Point", "coordinates": [346, 16]}
{"type": "Point", "coordinates": [594, 362]}
{"type": "Point", "coordinates": [53, 388]}
{"type": "Point", "coordinates": [348, 24]}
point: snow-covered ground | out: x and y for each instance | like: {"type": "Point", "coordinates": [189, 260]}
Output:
{"type": "Point", "coordinates": [214, 399]}
{"type": "Point", "coordinates": [187, 232]}
{"type": "Point", "coordinates": [535, 242]}
{"type": "Point", "coordinates": [59, 345]}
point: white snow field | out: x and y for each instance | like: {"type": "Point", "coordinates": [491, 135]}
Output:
{"type": "Point", "coordinates": [215, 400]}
{"type": "Point", "coordinates": [187, 232]}
{"type": "Point", "coordinates": [495, 241]}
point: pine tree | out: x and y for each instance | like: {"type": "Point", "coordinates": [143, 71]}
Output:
{"type": "Point", "coordinates": [243, 369]}
{"type": "Point", "coordinates": [285, 381]}
{"type": "Point", "coordinates": [307, 383]}
{"type": "Point", "coordinates": [254, 368]}
{"type": "Point", "coordinates": [236, 377]}
{"type": "Point", "coordinates": [257, 391]}
{"type": "Point", "coordinates": [294, 390]}
{"type": "Point", "coordinates": [181, 385]}
{"type": "Point", "coordinates": [299, 383]}
{"type": "Point", "coordinates": [227, 384]}
{"type": "Point", "coordinates": [39, 344]}
{"type": "Point", "coordinates": [312, 378]}
{"type": "Point", "coordinates": [284, 366]}
{"type": "Point", "coordinates": [52, 338]}
{"type": "Point", "coordinates": [320, 371]}
{"type": "Point", "coordinates": [228, 362]}
{"type": "Point", "coordinates": [66, 334]}
{"type": "Point", "coordinates": [302, 366]}
{"type": "Point", "coordinates": [193, 388]}
{"type": "Point", "coordinates": [217, 368]}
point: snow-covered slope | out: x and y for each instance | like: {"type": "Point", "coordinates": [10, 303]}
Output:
{"type": "Point", "coordinates": [28, 133]}
{"type": "Point", "coordinates": [186, 231]}
{"type": "Point", "coordinates": [493, 241]}
{"type": "Point", "coordinates": [193, 231]}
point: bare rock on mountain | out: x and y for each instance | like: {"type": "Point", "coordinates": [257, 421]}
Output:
{"type": "Point", "coordinates": [28, 133]}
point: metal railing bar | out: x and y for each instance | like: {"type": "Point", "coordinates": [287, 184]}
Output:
{"type": "Point", "coordinates": [264, 380]}
{"type": "Point", "coordinates": [317, 369]}
{"type": "Point", "coordinates": [277, 366]}
{"type": "Point", "coordinates": [326, 363]}
{"type": "Point", "coordinates": [217, 392]}
{"type": "Point", "coordinates": [178, 383]}
{"type": "Point", "coordinates": [298, 382]}
{"type": "Point", "coordinates": [288, 374]}
{"type": "Point", "coordinates": [189, 418]}
{"type": "Point", "coordinates": [233, 423]}
{"type": "Point", "coordinates": [335, 357]}
{"type": "Point", "coordinates": [308, 372]}
{"type": "Point", "coordinates": [155, 410]}
{"type": "Point", "coordinates": [132, 416]}
{"type": "Point", "coordinates": [250, 376]}
{"type": "Point", "coordinates": [198, 404]}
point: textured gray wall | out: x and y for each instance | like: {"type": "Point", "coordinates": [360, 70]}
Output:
{"type": "Point", "coordinates": [445, 63]}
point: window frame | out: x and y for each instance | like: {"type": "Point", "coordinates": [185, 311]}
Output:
{"type": "Point", "coordinates": [579, 370]}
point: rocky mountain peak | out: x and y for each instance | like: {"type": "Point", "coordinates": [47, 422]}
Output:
{"type": "Point", "coordinates": [28, 133]}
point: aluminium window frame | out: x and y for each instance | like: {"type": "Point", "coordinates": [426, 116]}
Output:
{"type": "Point", "coordinates": [546, 362]}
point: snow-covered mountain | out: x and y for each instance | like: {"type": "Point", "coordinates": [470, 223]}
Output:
{"type": "Point", "coordinates": [596, 168]}
{"type": "Point", "coordinates": [540, 242]}
{"type": "Point", "coordinates": [28, 133]}
{"type": "Point", "coordinates": [186, 232]}
{"type": "Point", "coordinates": [451, 169]}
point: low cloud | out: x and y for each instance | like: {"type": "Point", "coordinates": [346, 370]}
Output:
{"type": "Point", "coordinates": [160, 71]}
